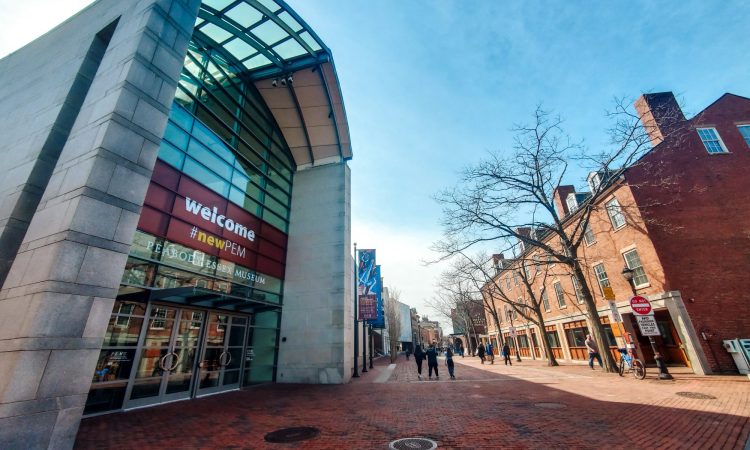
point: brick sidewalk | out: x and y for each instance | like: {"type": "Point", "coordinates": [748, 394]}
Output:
{"type": "Point", "coordinates": [488, 407]}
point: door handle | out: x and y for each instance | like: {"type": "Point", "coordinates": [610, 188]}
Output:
{"type": "Point", "coordinates": [163, 361]}
{"type": "Point", "coordinates": [221, 358]}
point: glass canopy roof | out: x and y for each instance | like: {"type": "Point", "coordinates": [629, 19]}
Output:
{"type": "Point", "coordinates": [266, 37]}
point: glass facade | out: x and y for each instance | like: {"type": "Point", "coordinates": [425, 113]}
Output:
{"type": "Point", "coordinates": [221, 134]}
{"type": "Point", "coordinates": [189, 321]}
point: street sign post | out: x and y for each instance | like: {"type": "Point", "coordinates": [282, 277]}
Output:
{"type": "Point", "coordinates": [647, 325]}
{"type": "Point", "coordinates": [615, 313]}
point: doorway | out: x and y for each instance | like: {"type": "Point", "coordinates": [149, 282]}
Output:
{"type": "Point", "coordinates": [179, 346]}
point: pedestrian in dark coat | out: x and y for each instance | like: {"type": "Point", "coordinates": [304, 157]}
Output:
{"type": "Point", "coordinates": [480, 352]}
{"type": "Point", "coordinates": [506, 354]}
{"type": "Point", "coordinates": [432, 361]}
{"type": "Point", "coordinates": [449, 362]}
{"type": "Point", "coordinates": [419, 356]}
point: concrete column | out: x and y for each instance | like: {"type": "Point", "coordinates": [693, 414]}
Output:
{"type": "Point", "coordinates": [58, 295]}
{"type": "Point", "coordinates": [318, 316]}
{"type": "Point", "coordinates": [688, 335]}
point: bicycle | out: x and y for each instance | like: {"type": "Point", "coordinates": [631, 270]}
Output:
{"type": "Point", "coordinates": [633, 364]}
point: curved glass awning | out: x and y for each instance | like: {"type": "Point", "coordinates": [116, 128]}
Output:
{"type": "Point", "coordinates": [290, 66]}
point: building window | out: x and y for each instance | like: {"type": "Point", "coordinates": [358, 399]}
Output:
{"type": "Point", "coordinates": [601, 277]}
{"type": "Point", "coordinates": [588, 235]}
{"type": "Point", "coordinates": [572, 204]}
{"type": "Point", "coordinates": [507, 282]}
{"type": "Point", "coordinates": [615, 214]}
{"type": "Point", "coordinates": [560, 295]}
{"type": "Point", "coordinates": [545, 299]}
{"type": "Point", "coordinates": [745, 132]}
{"type": "Point", "coordinates": [633, 261]}
{"type": "Point", "coordinates": [594, 181]}
{"type": "Point", "coordinates": [515, 278]}
{"type": "Point", "coordinates": [577, 287]}
{"type": "Point", "coordinates": [552, 339]}
{"type": "Point", "coordinates": [158, 319]}
{"type": "Point", "coordinates": [711, 140]}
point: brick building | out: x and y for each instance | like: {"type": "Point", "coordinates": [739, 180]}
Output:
{"type": "Point", "coordinates": [679, 219]}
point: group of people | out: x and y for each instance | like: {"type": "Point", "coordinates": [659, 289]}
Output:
{"type": "Point", "coordinates": [431, 355]}
{"type": "Point", "coordinates": [486, 352]}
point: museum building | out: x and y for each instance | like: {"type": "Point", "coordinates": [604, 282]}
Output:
{"type": "Point", "coordinates": [175, 217]}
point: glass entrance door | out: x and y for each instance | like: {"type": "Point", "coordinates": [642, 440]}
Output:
{"type": "Point", "coordinates": [222, 354]}
{"type": "Point", "coordinates": [166, 356]}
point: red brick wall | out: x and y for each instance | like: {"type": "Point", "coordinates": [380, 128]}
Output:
{"type": "Point", "coordinates": [699, 223]}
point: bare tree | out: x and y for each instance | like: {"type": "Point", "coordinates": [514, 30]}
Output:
{"type": "Point", "coordinates": [393, 320]}
{"type": "Point", "coordinates": [510, 199]}
{"type": "Point", "coordinates": [453, 300]}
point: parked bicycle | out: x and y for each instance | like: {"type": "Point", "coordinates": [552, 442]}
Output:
{"type": "Point", "coordinates": [629, 362]}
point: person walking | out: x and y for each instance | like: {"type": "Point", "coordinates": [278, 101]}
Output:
{"type": "Point", "coordinates": [419, 356]}
{"type": "Point", "coordinates": [490, 353]}
{"type": "Point", "coordinates": [449, 362]}
{"type": "Point", "coordinates": [432, 361]}
{"type": "Point", "coordinates": [593, 352]}
{"type": "Point", "coordinates": [506, 354]}
{"type": "Point", "coordinates": [461, 350]}
{"type": "Point", "coordinates": [408, 352]}
{"type": "Point", "coordinates": [480, 352]}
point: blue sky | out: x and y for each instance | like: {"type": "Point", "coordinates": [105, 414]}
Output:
{"type": "Point", "coordinates": [431, 86]}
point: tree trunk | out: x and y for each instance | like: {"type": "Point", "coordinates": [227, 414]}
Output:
{"type": "Point", "coordinates": [597, 329]}
{"type": "Point", "coordinates": [551, 360]}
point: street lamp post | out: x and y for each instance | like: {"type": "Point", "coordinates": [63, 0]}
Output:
{"type": "Point", "coordinates": [664, 374]}
{"type": "Point", "coordinates": [514, 339]}
{"type": "Point", "coordinates": [356, 335]}
{"type": "Point", "coordinates": [372, 339]}
{"type": "Point", "coordinates": [364, 346]}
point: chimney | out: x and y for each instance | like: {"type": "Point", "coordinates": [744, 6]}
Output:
{"type": "Point", "coordinates": [559, 196]}
{"type": "Point", "coordinates": [659, 114]}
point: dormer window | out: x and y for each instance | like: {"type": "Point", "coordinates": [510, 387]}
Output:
{"type": "Point", "coordinates": [594, 181]}
{"type": "Point", "coordinates": [572, 202]}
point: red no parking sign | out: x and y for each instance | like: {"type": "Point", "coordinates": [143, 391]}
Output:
{"type": "Point", "coordinates": [641, 306]}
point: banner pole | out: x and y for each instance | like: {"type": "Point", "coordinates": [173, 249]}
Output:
{"type": "Point", "coordinates": [356, 335]}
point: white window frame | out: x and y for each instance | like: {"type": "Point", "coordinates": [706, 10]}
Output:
{"type": "Point", "coordinates": [586, 232]}
{"type": "Point", "coordinates": [572, 203]}
{"type": "Point", "coordinates": [708, 139]}
{"type": "Point", "coordinates": [507, 281]}
{"type": "Point", "coordinates": [545, 299]}
{"type": "Point", "coordinates": [746, 136]}
{"type": "Point", "coordinates": [638, 271]}
{"type": "Point", "coordinates": [614, 210]}
{"type": "Point", "coordinates": [560, 294]}
{"type": "Point", "coordinates": [594, 181]}
{"type": "Point", "coordinates": [158, 319]}
{"type": "Point", "coordinates": [602, 282]}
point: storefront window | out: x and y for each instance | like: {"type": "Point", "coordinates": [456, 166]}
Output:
{"type": "Point", "coordinates": [576, 336]}
{"type": "Point", "coordinates": [552, 339]}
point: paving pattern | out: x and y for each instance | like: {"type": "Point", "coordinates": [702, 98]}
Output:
{"type": "Point", "coordinates": [526, 406]}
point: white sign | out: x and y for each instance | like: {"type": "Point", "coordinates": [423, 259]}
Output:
{"type": "Point", "coordinates": [615, 313]}
{"type": "Point", "coordinates": [648, 327]}
{"type": "Point", "coordinates": [512, 331]}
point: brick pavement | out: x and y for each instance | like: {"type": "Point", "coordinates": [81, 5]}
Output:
{"type": "Point", "coordinates": [488, 407]}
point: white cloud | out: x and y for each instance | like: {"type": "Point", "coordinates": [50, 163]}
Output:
{"type": "Point", "coordinates": [401, 254]}
{"type": "Point", "coordinates": [22, 22]}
